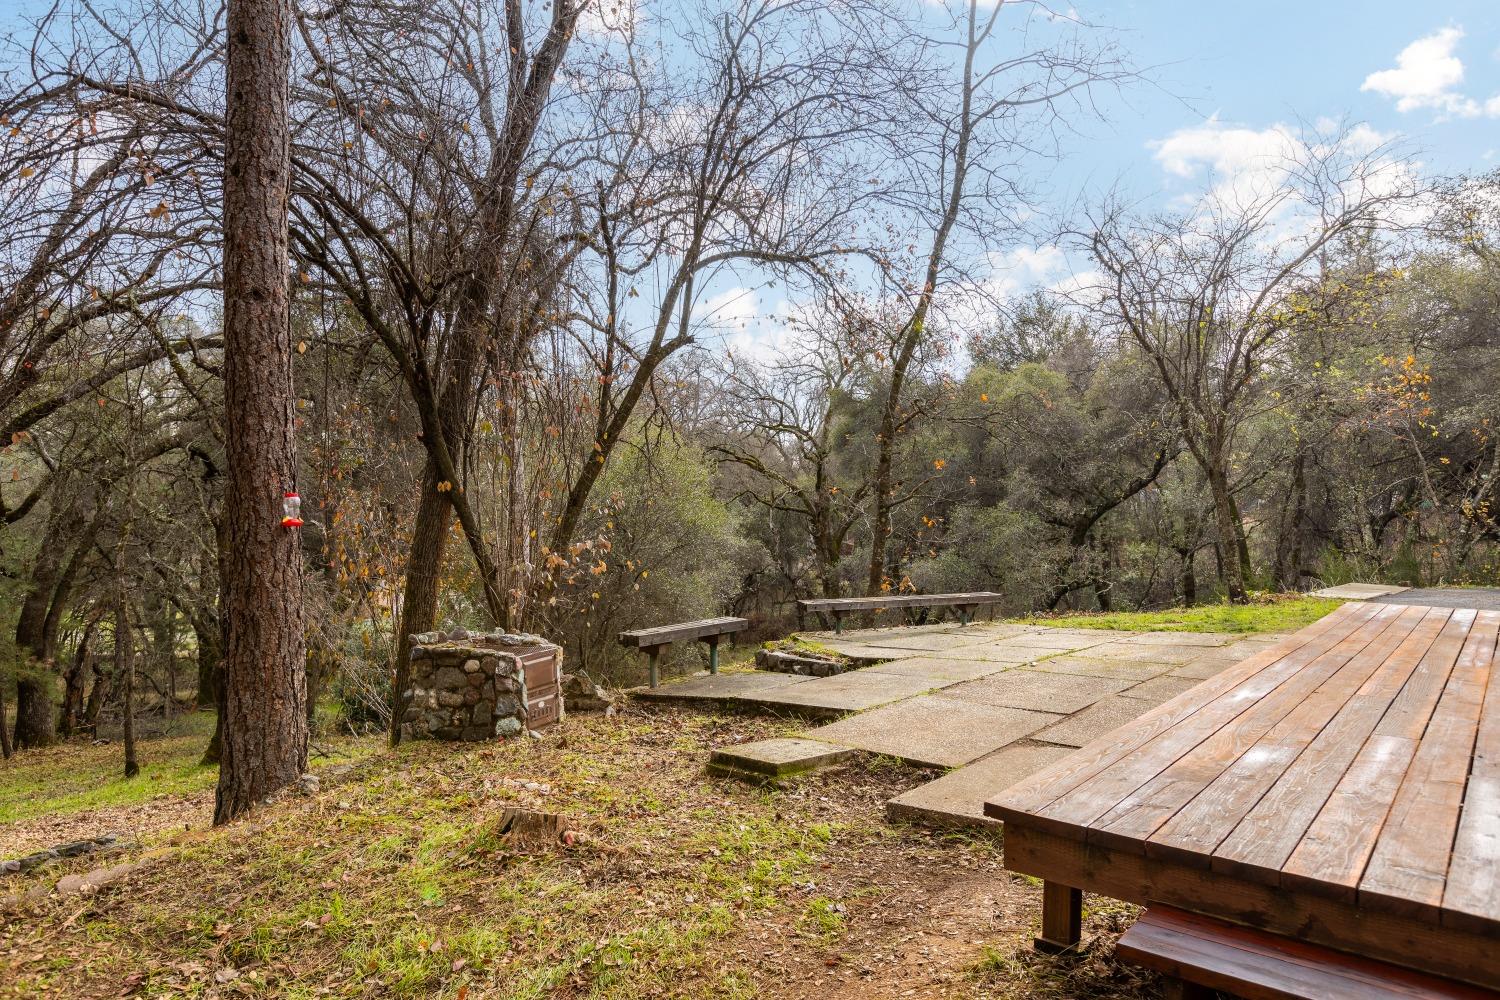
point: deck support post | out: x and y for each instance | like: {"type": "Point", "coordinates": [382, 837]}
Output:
{"type": "Point", "coordinates": [1062, 918]}
{"type": "Point", "coordinates": [1181, 989]}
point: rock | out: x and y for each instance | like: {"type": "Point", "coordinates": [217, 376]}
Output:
{"type": "Point", "coordinates": [310, 783]}
{"type": "Point", "coordinates": [508, 726]}
{"type": "Point", "coordinates": [581, 694]}
{"type": "Point", "coordinates": [448, 677]}
{"type": "Point", "coordinates": [450, 699]}
{"type": "Point", "coordinates": [471, 666]}
{"type": "Point", "coordinates": [10, 867]}
{"type": "Point", "coordinates": [30, 861]}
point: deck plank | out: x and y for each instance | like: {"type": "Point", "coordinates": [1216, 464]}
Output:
{"type": "Point", "coordinates": [1471, 895]}
{"type": "Point", "coordinates": [1197, 829]}
{"type": "Point", "coordinates": [1092, 799]}
{"type": "Point", "coordinates": [1409, 865]}
{"type": "Point", "coordinates": [1262, 841]}
{"type": "Point", "coordinates": [1139, 815]}
{"type": "Point", "coordinates": [1334, 851]}
{"type": "Point", "coordinates": [1024, 800]}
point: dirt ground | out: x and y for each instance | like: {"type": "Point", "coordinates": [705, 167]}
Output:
{"type": "Point", "coordinates": [389, 882]}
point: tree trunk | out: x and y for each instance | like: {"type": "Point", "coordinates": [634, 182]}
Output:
{"type": "Point", "coordinates": [1289, 545]}
{"type": "Point", "coordinates": [264, 720]}
{"type": "Point", "coordinates": [880, 523]}
{"type": "Point", "coordinates": [419, 597]}
{"type": "Point", "coordinates": [125, 670]}
{"type": "Point", "coordinates": [207, 637]}
{"type": "Point", "coordinates": [1187, 579]}
{"type": "Point", "coordinates": [74, 679]}
{"type": "Point", "coordinates": [34, 720]}
{"type": "Point", "coordinates": [5, 748]}
{"type": "Point", "coordinates": [98, 695]}
{"type": "Point", "coordinates": [1230, 567]}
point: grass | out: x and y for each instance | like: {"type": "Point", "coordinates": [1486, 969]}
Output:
{"type": "Point", "coordinates": [392, 880]}
{"type": "Point", "coordinates": [1277, 614]}
{"type": "Point", "coordinates": [74, 777]}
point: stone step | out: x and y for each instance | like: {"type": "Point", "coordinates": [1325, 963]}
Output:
{"type": "Point", "coordinates": [772, 760]}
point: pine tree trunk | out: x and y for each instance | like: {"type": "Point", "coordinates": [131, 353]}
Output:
{"type": "Point", "coordinates": [264, 720]}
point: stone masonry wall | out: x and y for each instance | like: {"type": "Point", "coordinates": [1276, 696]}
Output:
{"type": "Point", "coordinates": [466, 686]}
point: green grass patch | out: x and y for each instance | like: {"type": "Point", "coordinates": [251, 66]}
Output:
{"type": "Point", "coordinates": [1274, 615]}
{"type": "Point", "coordinates": [72, 777]}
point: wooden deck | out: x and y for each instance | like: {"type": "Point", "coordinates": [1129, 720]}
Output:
{"type": "Point", "coordinates": [1342, 787]}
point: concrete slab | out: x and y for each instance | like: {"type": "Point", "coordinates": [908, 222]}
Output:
{"type": "Point", "coordinates": [710, 687]}
{"type": "Point", "coordinates": [1181, 638]}
{"type": "Point", "coordinates": [1357, 591]}
{"type": "Point", "coordinates": [942, 668]}
{"type": "Point", "coordinates": [958, 797]}
{"type": "Point", "coordinates": [1141, 653]}
{"type": "Point", "coordinates": [933, 730]}
{"type": "Point", "coordinates": [850, 692]}
{"type": "Point", "coordinates": [887, 631]}
{"type": "Point", "coordinates": [932, 641]}
{"type": "Point", "coordinates": [1063, 639]}
{"type": "Point", "coordinates": [770, 759]}
{"type": "Point", "coordinates": [1037, 690]}
{"type": "Point", "coordinates": [865, 650]}
{"type": "Point", "coordinates": [1160, 689]}
{"type": "Point", "coordinates": [995, 652]}
{"type": "Point", "coordinates": [1479, 598]}
{"type": "Point", "coordinates": [1205, 667]}
{"type": "Point", "coordinates": [1095, 721]}
{"type": "Point", "coordinates": [1000, 630]}
{"type": "Point", "coordinates": [1124, 670]}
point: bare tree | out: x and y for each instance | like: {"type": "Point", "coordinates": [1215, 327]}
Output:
{"type": "Point", "coordinates": [1205, 294]}
{"type": "Point", "coordinates": [786, 422]}
{"type": "Point", "coordinates": [964, 179]}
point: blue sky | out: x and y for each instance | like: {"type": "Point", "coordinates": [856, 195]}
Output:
{"type": "Point", "coordinates": [1228, 75]}
{"type": "Point", "coordinates": [1253, 65]}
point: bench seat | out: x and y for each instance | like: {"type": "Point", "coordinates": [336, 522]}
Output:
{"type": "Point", "coordinates": [837, 607]}
{"type": "Point", "coordinates": [1204, 954]}
{"type": "Point", "coordinates": [652, 641]}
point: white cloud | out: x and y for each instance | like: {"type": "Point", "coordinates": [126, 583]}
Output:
{"type": "Point", "coordinates": [1222, 149]}
{"type": "Point", "coordinates": [1017, 271]}
{"type": "Point", "coordinates": [1427, 76]}
{"type": "Point", "coordinates": [731, 309]}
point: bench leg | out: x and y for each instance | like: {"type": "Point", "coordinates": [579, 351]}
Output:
{"type": "Point", "coordinates": [1062, 917]}
{"type": "Point", "coordinates": [713, 654]}
{"type": "Point", "coordinates": [652, 655]}
{"type": "Point", "coordinates": [838, 623]}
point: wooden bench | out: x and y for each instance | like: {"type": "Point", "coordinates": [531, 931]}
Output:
{"type": "Point", "coordinates": [1203, 955]}
{"type": "Point", "coordinates": [652, 641]}
{"type": "Point", "coordinates": [836, 607]}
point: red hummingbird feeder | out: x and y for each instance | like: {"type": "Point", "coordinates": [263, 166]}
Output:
{"type": "Point", "coordinates": [291, 511]}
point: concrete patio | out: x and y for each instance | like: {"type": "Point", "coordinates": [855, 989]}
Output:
{"type": "Point", "coordinates": [993, 701]}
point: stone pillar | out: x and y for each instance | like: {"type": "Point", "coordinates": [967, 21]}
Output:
{"type": "Point", "coordinates": [468, 687]}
